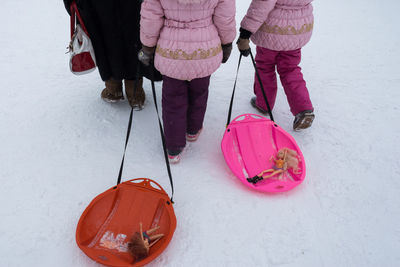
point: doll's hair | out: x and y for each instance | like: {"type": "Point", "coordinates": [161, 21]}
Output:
{"type": "Point", "coordinates": [137, 248]}
{"type": "Point", "coordinates": [292, 159]}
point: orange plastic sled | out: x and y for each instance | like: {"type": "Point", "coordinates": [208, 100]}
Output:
{"type": "Point", "coordinates": [109, 221]}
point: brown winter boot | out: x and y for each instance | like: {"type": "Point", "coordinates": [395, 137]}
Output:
{"type": "Point", "coordinates": [113, 91]}
{"type": "Point", "coordinates": [135, 98]}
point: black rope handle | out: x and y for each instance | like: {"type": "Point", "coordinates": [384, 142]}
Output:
{"type": "Point", "coordinates": [234, 89]}
{"type": "Point", "coordinates": [262, 87]}
{"type": "Point", "coordinates": [128, 133]}
{"type": "Point", "coordinates": [153, 88]}
{"type": "Point", "coordinates": [161, 131]}
{"type": "Point", "coordinates": [233, 92]}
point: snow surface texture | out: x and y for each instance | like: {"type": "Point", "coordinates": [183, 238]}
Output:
{"type": "Point", "coordinates": [61, 145]}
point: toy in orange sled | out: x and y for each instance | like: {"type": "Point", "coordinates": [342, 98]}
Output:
{"type": "Point", "coordinates": [108, 225]}
{"type": "Point", "coordinates": [141, 242]}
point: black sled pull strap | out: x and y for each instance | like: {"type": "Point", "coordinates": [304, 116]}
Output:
{"type": "Point", "coordinates": [233, 93]}
{"type": "Point", "coordinates": [128, 132]}
{"type": "Point", "coordinates": [262, 87]}
{"type": "Point", "coordinates": [126, 144]}
{"type": "Point", "coordinates": [161, 131]}
{"type": "Point", "coordinates": [234, 89]}
{"type": "Point", "coordinates": [153, 88]}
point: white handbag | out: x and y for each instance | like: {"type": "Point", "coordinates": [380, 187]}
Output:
{"type": "Point", "coordinates": [82, 57]}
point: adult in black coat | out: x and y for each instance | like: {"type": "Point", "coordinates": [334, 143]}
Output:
{"type": "Point", "coordinates": [113, 26]}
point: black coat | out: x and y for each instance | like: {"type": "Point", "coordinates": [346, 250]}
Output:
{"type": "Point", "coordinates": [113, 26]}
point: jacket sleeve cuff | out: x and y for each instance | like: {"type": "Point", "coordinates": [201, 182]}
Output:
{"type": "Point", "coordinates": [244, 34]}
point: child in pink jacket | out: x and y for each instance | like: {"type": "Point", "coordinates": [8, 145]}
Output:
{"type": "Point", "coordinates": [190, 40]}
{"type": "Point", "coordinates": [280, 28]}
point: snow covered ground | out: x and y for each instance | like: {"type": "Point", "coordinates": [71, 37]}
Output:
{"type": "Point", "coordinates": [61, 145]}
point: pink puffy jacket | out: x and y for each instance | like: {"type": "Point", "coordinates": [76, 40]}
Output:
{"type": "Point", "coordinates": [280, 25]}
{"type": "Point", "coordinates": [188, 34]}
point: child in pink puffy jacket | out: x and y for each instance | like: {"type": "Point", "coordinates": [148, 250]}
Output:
{"type": "Point", "coordinates": [188, 39]}
{"type": "Point", "coordinates": [280, 28]}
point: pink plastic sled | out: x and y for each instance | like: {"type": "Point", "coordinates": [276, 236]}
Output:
{"type": "Point", "coordinates": [249, 143]}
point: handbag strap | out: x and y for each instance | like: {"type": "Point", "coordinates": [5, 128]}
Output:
{"type": "Point", "coordinates": [234, 89]}
{"type": "Point", "coordinates": [161, 132]}
{"type": "Point", "coordinates": [75, 14]}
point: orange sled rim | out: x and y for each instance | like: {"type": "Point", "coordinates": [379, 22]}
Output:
{"type": "Point", "coordinates": [106, 225]}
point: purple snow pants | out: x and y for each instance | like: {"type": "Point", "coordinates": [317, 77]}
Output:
{"type": "Point", "coordinates": [287, 65]}
{"type": "Point", "coordinates": [184, 105]}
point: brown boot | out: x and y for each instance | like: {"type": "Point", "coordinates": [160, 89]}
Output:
{"type": "Point", "coordinates": [135, 97]}
{"type": "Point", "coordinates": [113, 91]}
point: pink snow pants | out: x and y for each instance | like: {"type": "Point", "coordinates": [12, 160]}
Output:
{"type": "Point", "coordinates": [287, 65]}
